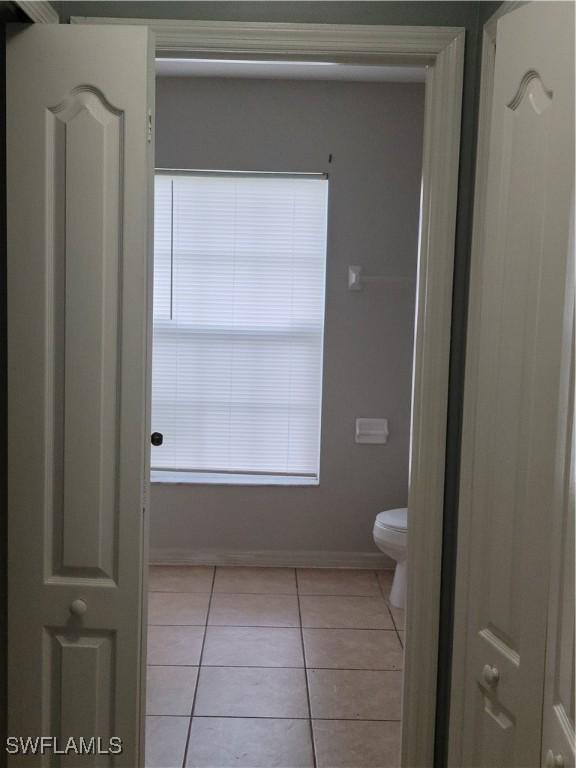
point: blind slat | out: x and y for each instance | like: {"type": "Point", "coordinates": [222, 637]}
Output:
{"type": "Point", "coordinates": [239, 275]}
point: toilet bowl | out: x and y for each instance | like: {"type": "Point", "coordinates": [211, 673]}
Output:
{"type": "Point", "coordinates": [390, 535]}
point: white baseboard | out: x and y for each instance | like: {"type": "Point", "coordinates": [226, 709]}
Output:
{"type": "Point", "coordinates": [300, 559]}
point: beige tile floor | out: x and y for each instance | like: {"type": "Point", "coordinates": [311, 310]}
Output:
{"type": "Point", "coordinates": [272, 668]}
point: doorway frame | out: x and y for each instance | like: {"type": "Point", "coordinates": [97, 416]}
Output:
{"type": "Point", "coordinates": [463, 548]}
{"type": "Point", "coordinates": [441, 51]}
{"type": "Point", "coordinates": [464, 544]}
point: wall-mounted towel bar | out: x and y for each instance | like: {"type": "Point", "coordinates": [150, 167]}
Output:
{"type": "Point", "coordinates": [356, 279]}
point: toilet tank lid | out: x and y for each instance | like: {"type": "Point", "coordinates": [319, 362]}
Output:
{"type": "Point", "coordinates": [393, 518]}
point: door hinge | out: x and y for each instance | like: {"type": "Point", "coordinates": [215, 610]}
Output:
{"type": "Point", "coordinates": [149, 125]}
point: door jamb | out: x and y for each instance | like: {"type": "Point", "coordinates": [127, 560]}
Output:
{"type": "Point", "coordinates": [441, 49]}
{"type": "Point", "coordinates": [39, 11]}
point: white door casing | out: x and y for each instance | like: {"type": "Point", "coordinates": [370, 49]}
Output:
{"type": "Point", "coordinates": [80, 160]}
{"type": "Point", "coordinates": [441, 49]}
{"type": "Point", "coordinates": [516, 393]}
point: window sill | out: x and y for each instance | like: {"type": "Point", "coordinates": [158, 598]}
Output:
{"type": "Point", "coordinates": [162, 477]}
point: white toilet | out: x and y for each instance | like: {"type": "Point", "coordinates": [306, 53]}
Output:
{"type": "Point", "coordinates": [390, 535]}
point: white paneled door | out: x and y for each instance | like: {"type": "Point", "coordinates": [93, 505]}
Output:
{"type": "Point", "coordinates": [519, 523]}
{"type": "Point", "coordinates": [80, 160]}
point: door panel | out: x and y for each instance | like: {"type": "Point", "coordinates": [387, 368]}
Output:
{"type": "Point", "coordinates": [85, 666]}
{"type": "Point", "coordinates": [90, 138]}
{"type": "Point", "coordinates": [80, 175]}
{"type": "Point", "coordinates": [521, 401]}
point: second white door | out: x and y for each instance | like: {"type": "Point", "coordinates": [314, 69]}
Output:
{"type": "Point", "coordinates": [518, 383]}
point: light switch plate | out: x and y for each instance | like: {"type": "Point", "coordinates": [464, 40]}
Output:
{"type": "Point", "coordinates": [372, 431]}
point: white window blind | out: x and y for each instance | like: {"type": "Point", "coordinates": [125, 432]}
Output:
{"type": "Point", "coordinates": [239, 274]}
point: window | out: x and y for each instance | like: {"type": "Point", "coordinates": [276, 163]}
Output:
{"type": "Point", "coordinates": [239, 275]}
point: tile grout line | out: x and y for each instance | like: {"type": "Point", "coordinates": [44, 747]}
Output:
{"type": "Point", "coordinates": [312, 742]}
{"type": "Point", "coordinates": [390, 613]}
{"type": "Point", "coordinates": [257, 666]}
{"type": "Point", "coordinates": [371, 596]}
{"type": "Point", "coordinates": [397, 630]}
{"type": "Point", "coordinates": [280, 626]}
{"type": "Point", "coordinates": [269, 717]}
{"type": "Point", "coordinates": [185, 758]}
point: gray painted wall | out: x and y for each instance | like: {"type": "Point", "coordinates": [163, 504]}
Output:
{"type": "Point", "coordinates": [374, 134]}
{"type": "Point", "coordinates": [423, 12]}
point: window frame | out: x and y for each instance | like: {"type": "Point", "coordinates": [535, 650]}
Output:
{"type": "Point", "coordinates": [193, 476]}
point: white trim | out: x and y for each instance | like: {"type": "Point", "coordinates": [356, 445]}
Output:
{"type": "Point", "coordinates": [464, 545]}
{"type": "Point", "coordinates": [429, 402]}
{"type": "Point", "coordinates": [442, 49]}
{"type": "Point", "coordinates": [282, 558]}
{"type": "Point", "coordinates": [181, 477]}
{"type": "Point", "coordinates": [39, 11]}
{"type": "Point", "coordinates": [419, 44]}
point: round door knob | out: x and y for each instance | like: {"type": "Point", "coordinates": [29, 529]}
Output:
{"type": "Point", "coordinates": [554, 761]}
{"type": "Point", "coordinates": [490, 674]}
{"type": "Point", "coordinates": [156, 438]}
{"type": "Point", "coordinates": [78, 607]}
